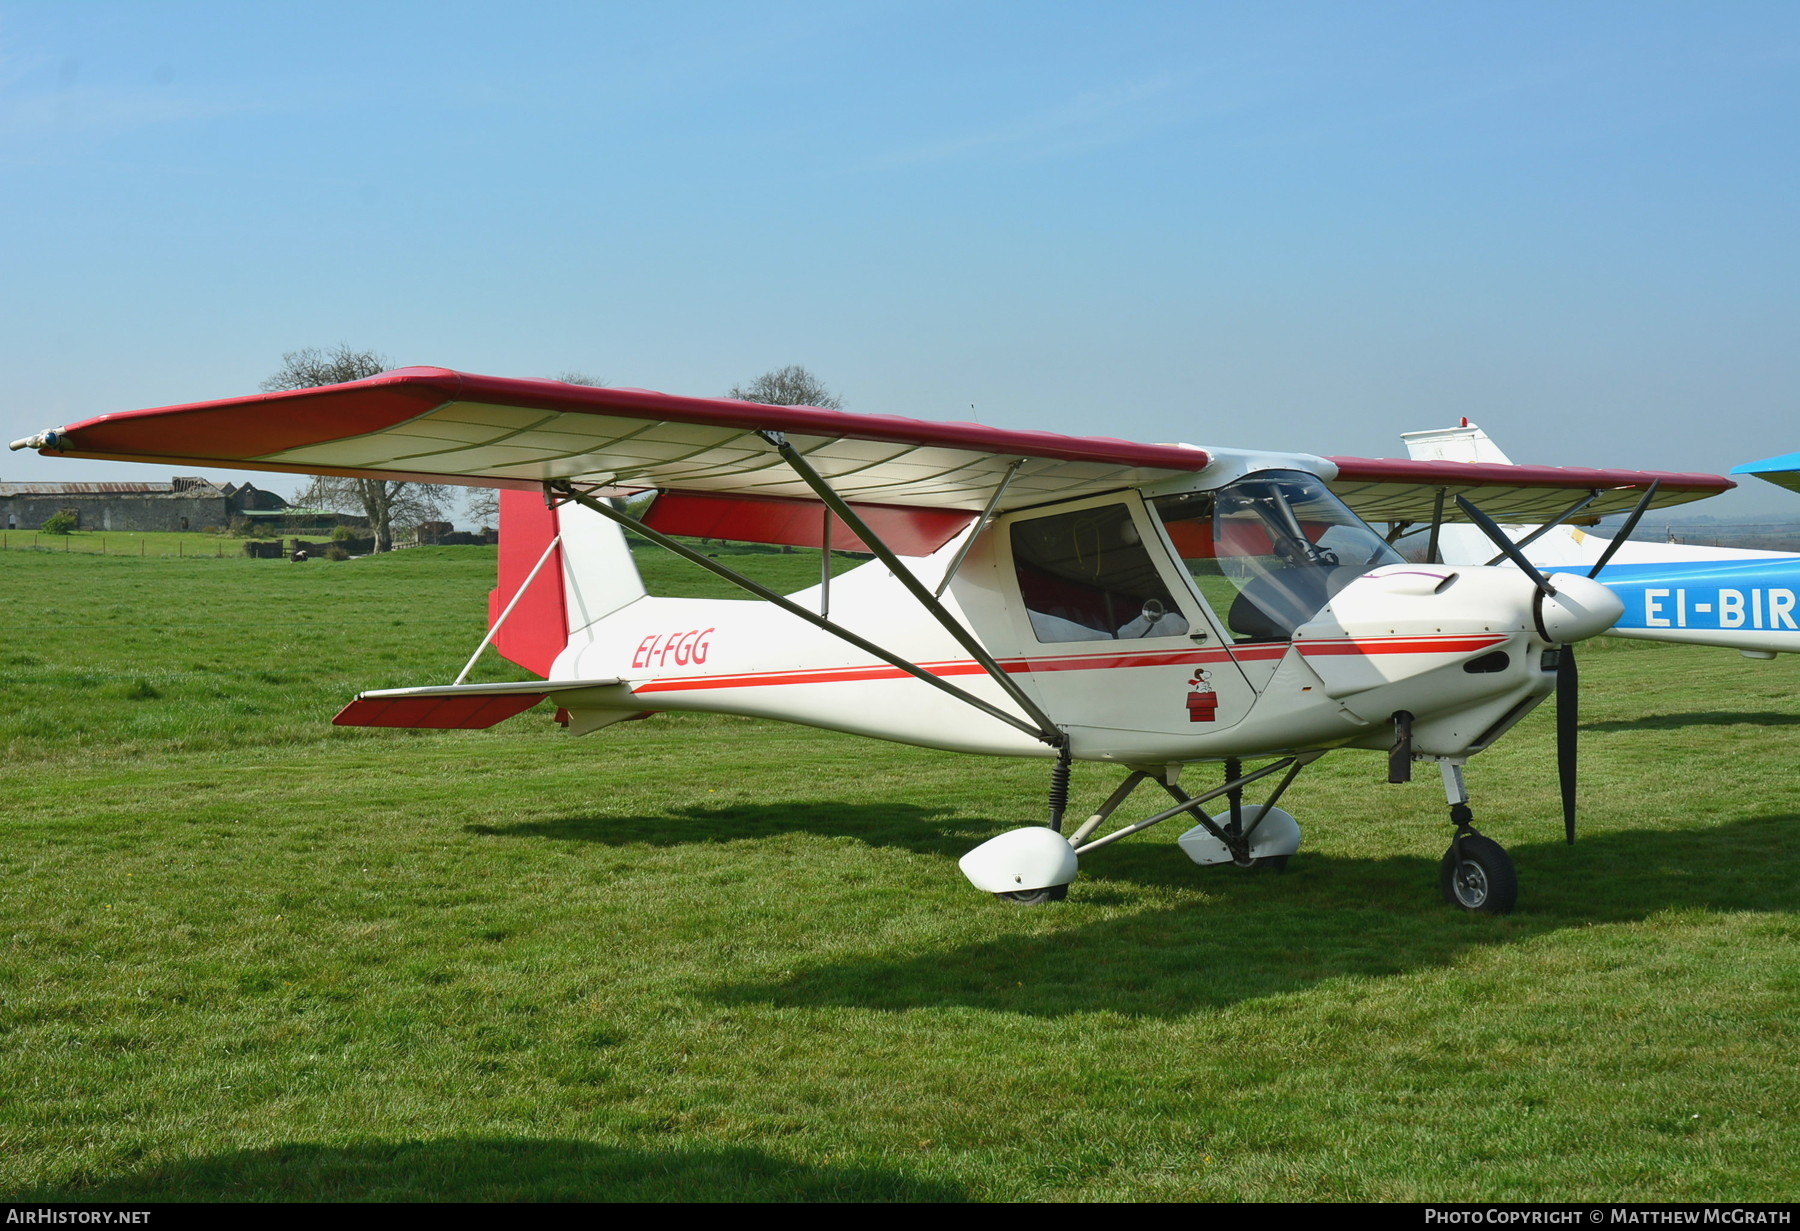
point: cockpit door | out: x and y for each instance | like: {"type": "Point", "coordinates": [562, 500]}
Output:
{"type": "Point", "coordinates": [1116, 648]}
{"type": "Point", "coordinates": [1268, 551]}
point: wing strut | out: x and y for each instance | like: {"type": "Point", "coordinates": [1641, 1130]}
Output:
{"type": "Point", "coordinates": [493, 632]}
{"type": "Point", "coordinates": [1293, 765]}
{"type": "Point", "coordinates": [1437, 524]}
{"type": "Point", "coordinates": [561, 490]}
{"type": "Point", "coordinates": [825, 565]}
{"type": "Point", "coordinates": [987, 515]}
{"type": "Point", "coordinates": [926, 598]}
{"type": "Point", "coordinates": [1548, 526]}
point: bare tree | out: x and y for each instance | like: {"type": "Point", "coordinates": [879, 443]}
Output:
{"type": "Point", "coordinates": [310, 367]}
{"type": "Point", "coordinates": [383, 501]}
{"type": "Point", "coordinates": [483, 506]}
{"type": "Point", "coordinates": [789, 386]}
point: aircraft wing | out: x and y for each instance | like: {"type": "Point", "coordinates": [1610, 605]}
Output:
{"type": "Point", "coordinates": [916, 482]}
{"type": "Point", "coordinates": [438, 426]}
{"type": "Point", "coordinates": [1783, 471]}
{"type": "Point", "coordinates": [1397, 490]}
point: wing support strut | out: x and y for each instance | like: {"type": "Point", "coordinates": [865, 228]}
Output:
{"type": "Point", "coordinates": [1437, 524]}
{"type": "Point", "coordinates": [559, 491]}
{"type": "Point", "coordinates": [493, 632]}
{"type": "Point", "coordinates": [1548, 526]}
{"type": "Point", "coordinates": [981, 523]}
{"type": "Point", "coordinates": [1047, 729]}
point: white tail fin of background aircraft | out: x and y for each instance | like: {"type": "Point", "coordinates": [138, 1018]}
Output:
{"type": "Point", "coordinates": [1465, 443]}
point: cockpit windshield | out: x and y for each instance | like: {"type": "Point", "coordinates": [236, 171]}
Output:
{"type": "Point", "coordinates": [1270, 549]}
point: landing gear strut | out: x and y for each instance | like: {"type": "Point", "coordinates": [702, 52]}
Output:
{"type": "Point", "coordinates": [1035, 864]}
{"type": "Point", "coordinates": [1476, 874]}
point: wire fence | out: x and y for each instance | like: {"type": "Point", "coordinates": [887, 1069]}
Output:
{"type": "Point", "coordinates": [1755, 536]}
{"type": "Point", "coordinates": [167, 544]}
{"type": "Point", "coordinates": [198, 545]}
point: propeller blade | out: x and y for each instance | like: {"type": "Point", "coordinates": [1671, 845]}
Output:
{"type": "Point", "coordinates": [1506, 545]}
{"type": "Point", "coordinates": [1568, 692]}
{"type": "Point", "coordinates": [1624, 533]}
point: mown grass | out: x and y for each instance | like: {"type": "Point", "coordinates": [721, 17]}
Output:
{"type": "Point", "coordinates": [247, 955]}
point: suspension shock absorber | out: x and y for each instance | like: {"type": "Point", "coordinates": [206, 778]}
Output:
{"type": "Point", "coordinates": [1059, 787]}
{"type": "Point", "coordinates": [1234, 769]}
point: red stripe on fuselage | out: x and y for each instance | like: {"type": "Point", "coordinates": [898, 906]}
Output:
{"type": "Point", "coordinates": [1015, 666]}
{"type": "Point", "coordinates": [1073, 662]}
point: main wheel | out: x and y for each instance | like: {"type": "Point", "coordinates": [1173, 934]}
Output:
{"type": "Point", "coordinates": [1035, 897]}
{"type": "Point", "coordinates": [1482, 880]}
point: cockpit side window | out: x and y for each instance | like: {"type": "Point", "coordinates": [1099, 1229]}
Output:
{"type": "Point", "coordinates": [1087, 576]}
{"type": "Point", "coordinates": [1270, 549]}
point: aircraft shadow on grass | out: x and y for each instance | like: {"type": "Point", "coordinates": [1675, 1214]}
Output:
{"type": "Point", "coordinates": [1704, 718]}
{"type": "Point", "coordinates": [1258, 934]}
{"type": "Point", "coordinates": [462, 1169]}
{"type": "Point", "coordinates": [923, 831]}
{"type": "Point", "coordinates": [1328, 917]}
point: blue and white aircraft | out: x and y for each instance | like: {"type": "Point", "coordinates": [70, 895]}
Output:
{"type": "Point", "coordinates": [1744, 600]}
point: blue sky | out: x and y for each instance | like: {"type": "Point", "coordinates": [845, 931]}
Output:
{"type": "Point", "coordinates": [1282, 225]}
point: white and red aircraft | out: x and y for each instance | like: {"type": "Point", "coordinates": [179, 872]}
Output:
{"type": "Point", "coordinates": [1035, 595]}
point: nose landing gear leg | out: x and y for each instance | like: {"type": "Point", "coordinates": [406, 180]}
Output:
{"type": "Point", "coordinates": [1476, 874]}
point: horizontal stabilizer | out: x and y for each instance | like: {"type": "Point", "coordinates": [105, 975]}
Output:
{"type": "Point", "coordinates": [435, 713]}
{"type": "Point", "coordinates": [454, 707]}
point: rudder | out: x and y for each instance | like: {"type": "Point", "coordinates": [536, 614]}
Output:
{"type": "Point", "coordinates": [591, 561]}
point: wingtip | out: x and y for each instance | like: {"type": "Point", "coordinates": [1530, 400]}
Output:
{"type": "Point", "coordinates": [43, 440]}
{"type": "Point", "coordinates": [1781, 464]}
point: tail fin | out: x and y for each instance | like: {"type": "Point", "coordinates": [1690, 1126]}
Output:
{"type": "Point", "coordinates": [588, 573]}
{"type": "Point", "coordinates": [1467, 443]}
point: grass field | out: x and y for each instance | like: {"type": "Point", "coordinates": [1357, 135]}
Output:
{"type": "Point", "coordinates": [144, 543]}
{"type": "Point", "coordinates": [247, 955]}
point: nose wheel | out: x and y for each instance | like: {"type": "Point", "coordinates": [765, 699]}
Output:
{"type": "Point", "coordinates": [1477, 874]}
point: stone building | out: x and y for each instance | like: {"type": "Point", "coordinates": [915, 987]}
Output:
{"type": "Point", "coordinates": [186, 502]}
